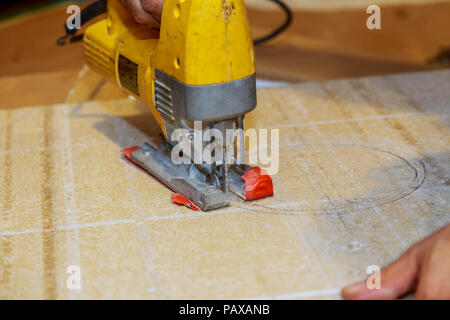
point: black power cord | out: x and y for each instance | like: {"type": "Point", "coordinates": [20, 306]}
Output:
{"type": "Point", "coordinates": [280, 29]}
{"type": "Point", "coordinates": [99, 7]}
{"type": "Point", "coordinates": [90, 12]}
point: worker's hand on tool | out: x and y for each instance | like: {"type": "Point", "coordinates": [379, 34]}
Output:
{"type": "Point", "coordinates": [424, 268]}
{"type": "Point", "coordinates": [145, 11]}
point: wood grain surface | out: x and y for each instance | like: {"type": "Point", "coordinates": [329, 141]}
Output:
{"type": "Point", "coordinates": [364, 173]}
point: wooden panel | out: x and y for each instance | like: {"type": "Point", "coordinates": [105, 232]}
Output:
{"type": "Point", "coordinates": [324, 44]}
{"type": "Point", "coordinates": [321, 44]}
{"type": "Point", "coordinates": [363, 174]}
{"type": "Point", "coordinates": [336, 4]}
{"type": "Point", "coordinates": [36, 89]}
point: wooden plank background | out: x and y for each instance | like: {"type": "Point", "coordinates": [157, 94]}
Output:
{"type": "Point", "coordinates": [363, 175]}
{"type": "Point", "coordinates": [335, 4]}
{"type": "Point", "coordinates": [323, 43]}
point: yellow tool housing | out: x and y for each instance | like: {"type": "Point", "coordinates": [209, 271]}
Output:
{"type": "Point", "coordinates": [201, 42]}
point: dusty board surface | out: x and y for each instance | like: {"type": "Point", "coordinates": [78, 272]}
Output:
{"type": "Point", "coordinates": [364, 174]}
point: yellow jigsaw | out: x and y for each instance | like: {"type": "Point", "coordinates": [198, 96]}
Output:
{"type": "Point", "coordinates": [197, 75]}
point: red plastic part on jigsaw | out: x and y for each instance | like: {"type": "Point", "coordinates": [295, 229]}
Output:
{"type": "Point", "coordinates": [182, 201]}
{"type": "Point", "coordinates": [127, 153]}
{"type": "Point", "coordinates": [258, 184]}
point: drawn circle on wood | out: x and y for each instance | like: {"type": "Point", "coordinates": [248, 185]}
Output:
{"type": "Point", "coordinates": [335, 179]}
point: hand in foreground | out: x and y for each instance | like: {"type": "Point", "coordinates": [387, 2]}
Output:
{"type": "Point", "coordinates": [145, 11]}
{"type": "Point", "coordinates": [423, 269]}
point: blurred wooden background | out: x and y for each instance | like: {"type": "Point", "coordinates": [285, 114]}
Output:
{"type": "Point", "coordinates": [328, 40]}
{"type": "Point", "coordinates": [369, 158]}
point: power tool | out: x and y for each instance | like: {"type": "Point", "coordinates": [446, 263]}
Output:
{"type": "Point", "coordinates": [197, 75]}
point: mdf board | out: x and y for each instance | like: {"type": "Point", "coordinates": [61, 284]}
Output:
{"type": "Point", "coordinates": [363, 174]}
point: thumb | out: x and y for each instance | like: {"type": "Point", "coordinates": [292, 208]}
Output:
{"type": "Point", "coordinates": [397, 279]}
{"type": "Point", "coordinates": [154, 7]}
